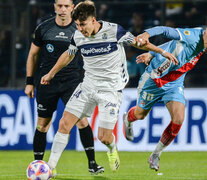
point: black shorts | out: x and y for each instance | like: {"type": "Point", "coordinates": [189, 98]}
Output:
{"type": "Point", "coordinates": [48, 95]}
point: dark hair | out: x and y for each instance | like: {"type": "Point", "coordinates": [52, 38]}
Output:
{"type": "Point", "coordinates": [57, 1]}
{"type": "Point", "coordinates": [83, 10]}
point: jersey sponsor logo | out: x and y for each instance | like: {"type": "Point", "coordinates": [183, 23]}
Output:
{"type": "Point", "coordinates": [61, 35]}
{"type": "Point", "coordinates": [98, 48]}
{"type": "Point", "coordinates": [174, 75]}
{"type": "Point", "coordinates": [163, 68]}
{"type": "Point", "coordinates": [187, 33]}
{"type": "Point", "coordinates": [50, 48]}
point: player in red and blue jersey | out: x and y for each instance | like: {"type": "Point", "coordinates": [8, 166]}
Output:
{"type": "Point", "coordinates": [163, 80]}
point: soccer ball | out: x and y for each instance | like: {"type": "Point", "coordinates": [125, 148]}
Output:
{"type": "Point", "coordinates": [38, 170]}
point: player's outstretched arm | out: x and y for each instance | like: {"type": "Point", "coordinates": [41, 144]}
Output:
{"type": "Point", "coordinates": [152, 47]}
{"type": "Point", "coordinates": [63, 61]}
{"type": "Point", "coordinates": [165, 31]}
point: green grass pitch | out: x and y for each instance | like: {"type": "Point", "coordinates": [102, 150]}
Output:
{"type": "Point", "coordinates": [73, 165]}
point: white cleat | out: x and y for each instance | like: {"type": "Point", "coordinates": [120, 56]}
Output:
{"type": "Point", "coordinates": [129, 134]}
{"type": "Point", "coordinates": [154, 161]}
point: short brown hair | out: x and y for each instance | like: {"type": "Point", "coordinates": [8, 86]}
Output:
{"type": "Point", "coordinates": [57, 1]}
{"type": "Point", "coordinates": [83, 10]}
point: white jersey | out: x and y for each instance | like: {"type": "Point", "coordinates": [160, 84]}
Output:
{"type": "Point", "coordinates": [104, 56]}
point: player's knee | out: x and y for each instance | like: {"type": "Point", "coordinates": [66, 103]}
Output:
{"type": "Point", "coordinates": [100, 137]}
{"type": "Point", "coordinates": [42, 128]}
{"type": "Point", "coordinates": [103, 139]}
{"type": "Point", "coordinates": [63, 126]}
{"type": "Point", "coordinates": [43, 124]}
{"type": "Point", "coordinates": [178, 119]}
{"type": "Point", "coordinates": [82, 123]}
{"type": "Point", "coordinates": [139, 116]}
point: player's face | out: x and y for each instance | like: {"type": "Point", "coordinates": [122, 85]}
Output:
{"type": "Point", "coordinates": [63, 8]}
{"type": "Point", "coordinates": [86, 27]}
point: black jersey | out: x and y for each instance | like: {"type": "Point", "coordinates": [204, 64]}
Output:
{"type": "Point", "coordinates": [54, 40]}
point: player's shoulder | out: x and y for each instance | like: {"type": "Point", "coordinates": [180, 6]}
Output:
{"type": "Point", "coordinates": [108, 24]}
{"type": "Point", "coordinates": [190, 31]}
{"type": "Point", "coordinates": [46, 24]}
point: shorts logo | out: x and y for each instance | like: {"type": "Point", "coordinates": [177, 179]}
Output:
{"type": "Point", "coordinates": [110, 104]}
{"type": "Point", "coordinates": [76, 94]}
{"type": "Point", "coordinates": [50, 48]}
{"type": "Point", "coordinates": [142, 102]}
{"type": "Point", "coordinates": [187, 33]}
{"type": "Point", "coordinates": [112, 112]}
{"type": "Point", "coordinates": [41, 107]}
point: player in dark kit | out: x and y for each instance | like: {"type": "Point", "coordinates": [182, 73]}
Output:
{"type": "Point", "coordinates": [52, 38]}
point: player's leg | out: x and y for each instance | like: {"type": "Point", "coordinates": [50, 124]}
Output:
{"type": "Point", "coordinates": [61, 138]}
{"type": "Point", "coordinates": [47, 100]}
{"type": "Point", "coordinates": [175, 103]}
{"type": "Point", "coordinates": [147, 96]}
{"type": "Point", "coordinates": [135, 113]}
{"type": "Point", "coordinates": [85, 131]}
{"type": "Point", "coordinates": [39, 141]}
{"type": "Point", "coordinates": [107, 137]}
{"type": "Point", "coordinates": [177, 111]}
{"type": "Point", "coordinates": [109, 104]}
{"type": "Point", "coordinates": [87, 140]}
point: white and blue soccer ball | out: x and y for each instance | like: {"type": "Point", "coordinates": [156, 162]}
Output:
{"type": "Point", "coordinates": [38, 170]}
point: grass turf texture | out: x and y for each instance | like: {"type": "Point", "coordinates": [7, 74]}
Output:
{"type": "Point", "coordinates": [73, 165]}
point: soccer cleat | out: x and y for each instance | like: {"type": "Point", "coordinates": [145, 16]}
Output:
{"type": "Point", "coordinates": [154, 161]}
{"type": "Point", "coordinates": [95, 169]}
{"type": "Point", "coordinates": [129, 134]}
{"type": "Point", "coordinates": [54, 173]}
{"type": "Point", "coordinates": [114, 161]}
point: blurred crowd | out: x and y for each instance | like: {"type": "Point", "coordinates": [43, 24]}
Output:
{"type": "Point", "coordinates": [133, 15]}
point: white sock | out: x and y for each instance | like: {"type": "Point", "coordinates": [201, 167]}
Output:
{"type": "Point", "coordinates": [159, 148]}
{"type": "Point", "coordinates": [59, 143]}
{"type": "Point", "coordinates": [112, 146]}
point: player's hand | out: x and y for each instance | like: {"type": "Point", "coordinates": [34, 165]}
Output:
{"type": "Point", "coordinates": [45, 80]}
{"type": "Point", "coordinates": [144, 58]}
{"type": "Point", "coordinates": [29, 91]}
{"type": "Point", "coordinates": [170, 57]}
{"type": "Point", "coordinates": [142, 39]}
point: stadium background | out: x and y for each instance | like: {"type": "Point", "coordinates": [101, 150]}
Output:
{"type": "Point", "coordinates": [18, 18]}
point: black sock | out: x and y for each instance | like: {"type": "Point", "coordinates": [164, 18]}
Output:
{"type": "Point", "coordinates": [39, 144]}
{"type": "Point", "coordinates": [86, 136]}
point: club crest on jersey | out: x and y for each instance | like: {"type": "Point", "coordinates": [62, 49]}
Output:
{"type": "Point", "coordinates": [50, 48]}
{"type": "Point", "coordinates": [104, 36]}
{"type": "Point", "coordinates": [187, 33]}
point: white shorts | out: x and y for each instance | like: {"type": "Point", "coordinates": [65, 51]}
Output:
{"type": "Point", "coordinates": [84, 100]}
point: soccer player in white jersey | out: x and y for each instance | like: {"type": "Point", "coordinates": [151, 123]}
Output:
{"type": "Point", "coordinates": [101, 45]}
{"type": "Point", "coordinates": [162, 81]}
